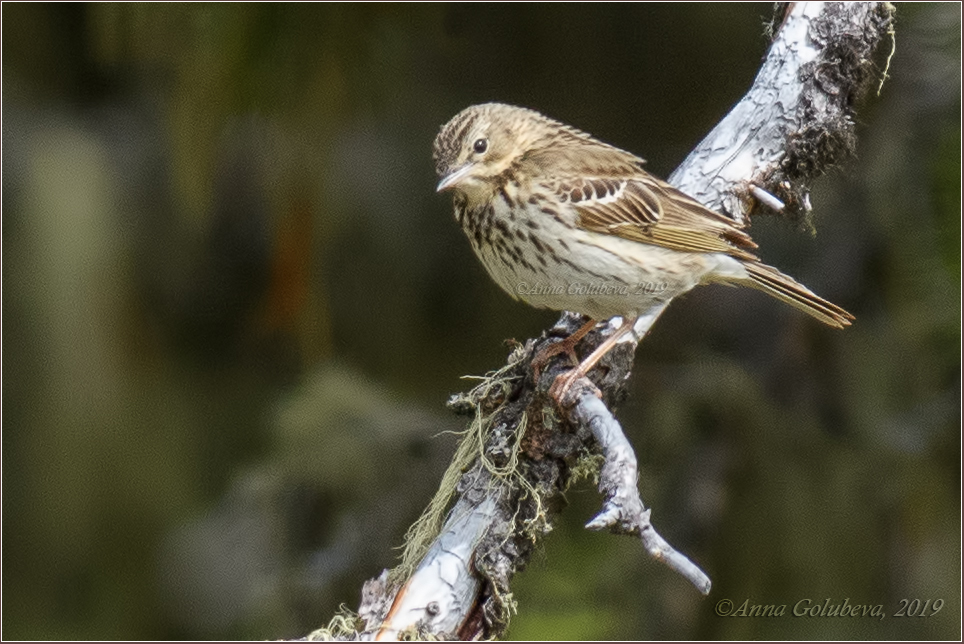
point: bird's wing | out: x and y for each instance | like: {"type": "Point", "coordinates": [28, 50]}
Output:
{"type": "Point", "coordinates": [644, 209]}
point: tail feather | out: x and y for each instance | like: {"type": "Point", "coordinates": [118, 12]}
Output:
{"type": "Point", "coordinates": [783, 287]}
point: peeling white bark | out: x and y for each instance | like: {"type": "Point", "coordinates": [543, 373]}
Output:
{"type": "Point", "coordinates": [789, 97]}
{"type": "Point", "coordinates": [437, 595]}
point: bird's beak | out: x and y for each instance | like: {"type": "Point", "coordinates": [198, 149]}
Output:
{"type": "Point", "coordinates": [453, 178]}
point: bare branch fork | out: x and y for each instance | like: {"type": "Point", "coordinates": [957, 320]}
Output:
{"type": "Point", "coordinates": [520, 450]}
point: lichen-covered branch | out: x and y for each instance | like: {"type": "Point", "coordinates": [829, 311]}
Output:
{"type": "Point", "coordinates": [521, 451]}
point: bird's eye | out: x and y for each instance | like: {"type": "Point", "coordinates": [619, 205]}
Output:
{"type": "Point", "coordinates": [480, 146]}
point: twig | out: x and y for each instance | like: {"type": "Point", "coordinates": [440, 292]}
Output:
{"type": "Point", "coordinates": [623, 511]}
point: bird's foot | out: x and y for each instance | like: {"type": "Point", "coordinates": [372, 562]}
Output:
{"type": "Point", "coordinates": [565, 390]}
{"type": "Point", "coordinates": [567, 346]}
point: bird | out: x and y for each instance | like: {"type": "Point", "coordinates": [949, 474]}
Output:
{"type": "Point", "coordinates": [564, 221]}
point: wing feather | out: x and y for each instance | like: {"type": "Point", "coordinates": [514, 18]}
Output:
{"type": "Point", "coordinates": [647, 210]}
{"type": "Point", "coordinates": [613, 194]}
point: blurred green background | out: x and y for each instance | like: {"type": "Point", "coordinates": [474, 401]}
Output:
{"type": "Point", "coordinates": [234, 306]}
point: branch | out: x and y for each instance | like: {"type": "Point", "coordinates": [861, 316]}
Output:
{"type": "Point", "coordinates": [623, 510]}
{"type": "Point", "coordinates": [797, 121]}
{"type": "Point", "coordinates": [518, 455]}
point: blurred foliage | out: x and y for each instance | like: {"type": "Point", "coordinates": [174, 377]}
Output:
{"type": "Point", "coordinates": [233, 307]}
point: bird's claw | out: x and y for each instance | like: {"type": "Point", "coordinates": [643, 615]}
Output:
{"type": "Point", "coordinates": [566, 394]}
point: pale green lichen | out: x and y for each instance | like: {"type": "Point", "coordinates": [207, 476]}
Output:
{"type": "Point", "coordinates": [344, 625]}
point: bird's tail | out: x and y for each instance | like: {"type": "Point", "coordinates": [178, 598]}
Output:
{"type": "Point", "coordinates": [783, 287]}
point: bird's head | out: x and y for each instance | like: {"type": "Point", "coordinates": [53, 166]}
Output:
{"type": "Point", "coordinates": [481, 142]}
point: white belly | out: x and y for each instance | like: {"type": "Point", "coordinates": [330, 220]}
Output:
{"type": "Point", "coordinates": [600, 276]}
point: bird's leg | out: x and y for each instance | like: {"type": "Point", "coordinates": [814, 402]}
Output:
{"type": "Point", "coordinates": [638, 325]}
{"type": "Point", "coordinates": [567, 346]}
{"type": "Point", "coordinates": [564, 381]}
